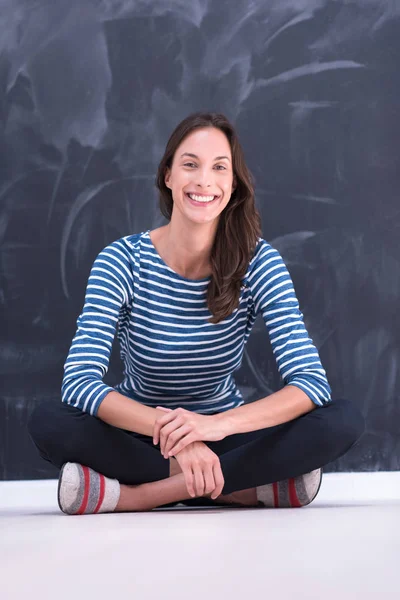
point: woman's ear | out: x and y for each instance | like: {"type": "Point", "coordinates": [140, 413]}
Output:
{"type": "Point", "coordinates": [167, 177]}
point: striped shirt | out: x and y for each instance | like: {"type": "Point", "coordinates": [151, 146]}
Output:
{"type": "Point", "coordinates": [172, 355]}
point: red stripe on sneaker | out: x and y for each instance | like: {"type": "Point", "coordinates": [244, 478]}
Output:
{"type": "Point", "coordinates": [101, 493]}
{"type": "Point", "coordinates": [275, 488]}
{"type": "Point", "coordinates": [86, 492]}
{"type": "Point", "coordinates": [294, 501]}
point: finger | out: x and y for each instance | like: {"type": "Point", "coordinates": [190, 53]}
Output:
{"type": "Point", "coordinates": [177, 440]}
{"type": "Point", "coordinates": [219, 480]}
{"type": "Point", "coordinates": [189, 479]}
{"type": "Point", "coordinates": [172, 438]}
{"type": "Point", "coordinates": [156, 432]}
{"type": "Point", "coordinates": [199, 480]}
{"type": "Point", "coordinates": [210, 484]}
{"type": "Point", "coordinates": [160, 423]}
{"type": "Point", "coordinates": [168, 430]}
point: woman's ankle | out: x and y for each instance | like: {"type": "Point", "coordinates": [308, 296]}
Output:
{"type": "Point", "coordinates": [147, 496]}
{"type": "Point", "coordinates": [128, 498]}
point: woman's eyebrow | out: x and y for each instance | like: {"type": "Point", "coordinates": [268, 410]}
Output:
{"type": "Point", "coordinates": [195, 156]}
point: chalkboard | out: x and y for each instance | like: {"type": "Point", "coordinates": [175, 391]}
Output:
{"type": "Point", "coordinates": [90, 93]}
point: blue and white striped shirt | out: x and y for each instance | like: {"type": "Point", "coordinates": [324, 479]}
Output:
{"type": "Point", "coordinates": [172, 355]}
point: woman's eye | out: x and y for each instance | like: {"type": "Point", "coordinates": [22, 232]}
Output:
{"type": "Point", "coordinates": [190, 164]}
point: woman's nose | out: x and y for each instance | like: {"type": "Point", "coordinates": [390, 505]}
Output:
{"type": "Point", "coordinates": [203, 179]}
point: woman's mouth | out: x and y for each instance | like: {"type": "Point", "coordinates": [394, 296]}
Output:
{"type": "Point", "coordinates": [198, 200]}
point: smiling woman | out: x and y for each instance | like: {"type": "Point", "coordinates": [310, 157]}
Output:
{"type": "Point", "coordinates": [183, 300]}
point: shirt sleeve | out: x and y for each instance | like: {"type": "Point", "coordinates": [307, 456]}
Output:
{"type": "Point", "coordinates": [297, 358]}
{"type": "Point", "coordinates": [108, 293]}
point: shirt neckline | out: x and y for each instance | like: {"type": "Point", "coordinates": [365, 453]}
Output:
{"type": "Point", "coordinates": [154, 249]}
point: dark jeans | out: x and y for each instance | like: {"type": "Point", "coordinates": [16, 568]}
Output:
{"type": "Point", "coordinates": [63, 433]}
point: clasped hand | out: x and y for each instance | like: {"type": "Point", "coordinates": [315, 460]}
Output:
{"type": "Point", "coordinates": [181, 427]}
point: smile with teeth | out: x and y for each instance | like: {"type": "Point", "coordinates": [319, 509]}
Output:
{"type": "Point", "coordinates": [204, 199]}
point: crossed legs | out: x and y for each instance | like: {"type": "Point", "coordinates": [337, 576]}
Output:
{"type": "Point", "coordinates": [63, 433]}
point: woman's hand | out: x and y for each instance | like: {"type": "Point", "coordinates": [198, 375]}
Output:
{"type": "Point", "coordinates": [181, 427]}
{"type": "Point", "coordinates": [202, 470]}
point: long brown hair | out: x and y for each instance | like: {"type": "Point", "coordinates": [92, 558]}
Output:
{"type": "Point", "coordinates": [239, 225]}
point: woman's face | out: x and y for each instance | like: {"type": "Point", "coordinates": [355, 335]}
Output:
{"type": "Point", "coordinates": [207, 173]}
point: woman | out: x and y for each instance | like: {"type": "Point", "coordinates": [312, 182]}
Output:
{"type": "Point", "coordinates": [184, 298]}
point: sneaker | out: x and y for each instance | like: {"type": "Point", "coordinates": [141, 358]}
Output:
{"type": "Point", "coordinates": [290, 493]}
{"type": "Point", "coordinates": [81, 490]}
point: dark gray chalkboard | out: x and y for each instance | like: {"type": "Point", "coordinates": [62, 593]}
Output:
{"type": "Point", "coordinates": [90, 92]}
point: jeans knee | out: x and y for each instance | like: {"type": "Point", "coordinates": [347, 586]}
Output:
{"type": "Point", "coordinates": [37, 422]}
{"type": "Point", "coordinates": [351, 422]}
{"type": "Point", "coordinates": [49, 426]}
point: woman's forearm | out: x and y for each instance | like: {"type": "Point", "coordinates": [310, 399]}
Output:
{"type": "Point", "coordinates": [119, 411]}
{"type": "Point", "coordinates": [280, 407]}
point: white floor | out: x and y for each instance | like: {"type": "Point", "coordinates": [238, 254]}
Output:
{"type": "Point", "coordinates": [345, 545]}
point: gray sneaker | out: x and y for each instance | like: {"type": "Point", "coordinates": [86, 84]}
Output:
{"type": "Point", "coordinates": [81, 490]}
{"type": "Point", "coordinates": [290, 493]}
